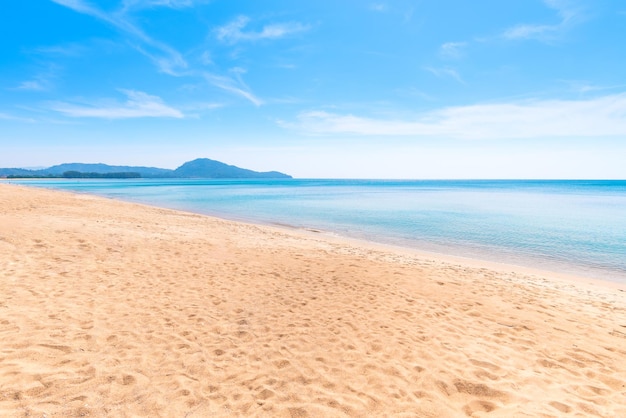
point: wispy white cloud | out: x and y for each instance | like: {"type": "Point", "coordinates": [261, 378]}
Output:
{"type": "Point", "coordinates": [453, 50]}
{"type": "Point", "coordinates": [170, 61]}
{"type": "Point", "coordinates": [6, 116]}
{"type": "Point", "coordinates": [414, 92]}
{"type": "Point", "coordinates": [60, 50]}
{"type": "Point", "coordinates": [287, 66]}
{"type": "Point", "coordinates": [203, 106]}
{"type": "Point", "coordinates": [195, 110]}
{"type": "Point", "coordinates": [445, 72]}
{"type": "Point", "coordinates": [234, 85]}
{"type": "Point", "coordinates": [138, 105]}
{"type": "Point", "coordinates": [167, 59]}
{"type": "Point", "coordinates": [530, 31]}
{"type": "Point", "coordinates": [569, 13]}
{"type": "Point", "coordinates": [598, 117]}
{"type": "Point", "coordinates": [206, 59]}
{"type": "Point", "coordinates": [584, 87]}
{"type": "Point", "coordinates": [78, 6]}
{"type": "Point", "coordinates": [233, 32]}
{"type": "Point", "coordinates": [567, 9]}
{"type": "Point", "coordinates": [145, 4]}
{"type": "Point", "coordinates": [32, 85]}
{"type": "Point", "coordinates": [41, 81]}
{"type": "Point", "coordinates": [378, 7]}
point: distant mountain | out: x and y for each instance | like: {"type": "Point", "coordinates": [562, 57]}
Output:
{"type": "Point", "coordinates": [205, 168]}
{"type": "Point", "coordinates": [199, 168]}
{"type": "Point", "coordinates": [15, 172]}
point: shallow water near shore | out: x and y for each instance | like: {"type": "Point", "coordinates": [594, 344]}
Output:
{"type": "Point", "coordinates": [576, 227]}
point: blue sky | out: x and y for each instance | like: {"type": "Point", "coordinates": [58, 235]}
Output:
{"type": "Point", "coordinates": [360, 89]}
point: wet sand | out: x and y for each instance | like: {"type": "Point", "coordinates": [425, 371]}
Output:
{"type": "Point", "coordinates": [116, 309]}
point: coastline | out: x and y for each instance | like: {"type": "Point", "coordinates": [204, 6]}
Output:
{"type": "Point", "coordinates": [116, 308]}
{"type": "Point", "coordinates": [440, 256]}
{"type": "Point", "coordinates": [577, 256]}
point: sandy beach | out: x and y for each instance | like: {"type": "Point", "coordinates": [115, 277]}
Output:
{"type": "Point", "coordinates": [112, 309]}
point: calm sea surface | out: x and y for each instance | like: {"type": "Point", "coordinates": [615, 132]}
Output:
{"type": "Point", "coordinates": [568, 226]}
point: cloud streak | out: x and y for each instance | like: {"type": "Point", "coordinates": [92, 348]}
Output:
{"type": "Point", "coordinates": [233, 32]}
{"type": "Point", "coordinates": [445, 73]}
{"type": "Point", "coordinates": [60, 50]}
{"type": "Point", "coordinates": [144, 4]}
{"type": "Point", "coordinates": [6, 116]}
{"type": "Point", "coordinates": [167, 59]}
{"type": "Point", "coordinates": [138, 105]}
{"type": "Point", "coordinates": [42, 81]}
{"type": "Point", "coordinates": [569, 15]}
{"type": "Point", "coordinates": [170, 61]}
{"type": "Point", "coordinates": [602, 116]}
{"type": "Point", "coordinates": [378, 7]}
{"type": "Point", "coordinates": [452, 50]}
{"type": "Point", "coordinates": [32, 85]}
{"type": "Point", "coordinates": [235, 86]}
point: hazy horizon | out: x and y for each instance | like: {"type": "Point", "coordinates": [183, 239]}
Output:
{"type": "Point", "coordinates": [36, 168]}
{"type": "Point", "coordinates": [523, 89]}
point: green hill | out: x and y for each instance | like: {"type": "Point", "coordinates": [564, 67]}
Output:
{"type": "Point", "coordinates": [206, 168]}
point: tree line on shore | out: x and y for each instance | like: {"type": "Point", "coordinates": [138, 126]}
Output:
{"type": "Point", "coordinates": [80, 175]}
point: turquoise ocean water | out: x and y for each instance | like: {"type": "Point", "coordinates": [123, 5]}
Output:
{"type": "Point", "coordinates": [576, 227]}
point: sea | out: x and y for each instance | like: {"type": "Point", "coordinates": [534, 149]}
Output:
{"type": "Point", "coordinates": [568, 226]}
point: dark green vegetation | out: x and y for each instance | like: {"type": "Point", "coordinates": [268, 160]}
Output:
{"type": "Point", "coordinates": [78, 175]}
{"type": "Point", "coordinates": [200, 168]}
{"type": "Point", "coordinates": [120, 175]}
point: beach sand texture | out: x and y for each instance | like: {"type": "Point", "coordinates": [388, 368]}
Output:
{"type": "Point", "coordinates": [115, 309]}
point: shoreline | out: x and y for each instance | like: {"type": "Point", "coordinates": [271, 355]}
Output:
{"type": "Point", "coordinates": [505, 258]}
{"type": "Point", "coordinates": [439, 257]}
{"type": "Point", "coordinates": [502, 267]}
{"type": "Point", "coordinates": [407, 249]}
{"type": "Point", "coordinates": [122, 309]}
{"type": "Point", "coordinates": [415, 250]}
{"type": "Point", "coordinates": [465, 261]}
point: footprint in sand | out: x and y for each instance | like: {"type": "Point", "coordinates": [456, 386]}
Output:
{"type": "Point", "coordinates": [128, 380]}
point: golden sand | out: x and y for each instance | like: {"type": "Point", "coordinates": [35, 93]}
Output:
{"type": "Point", "coordinates": [116, 309]}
